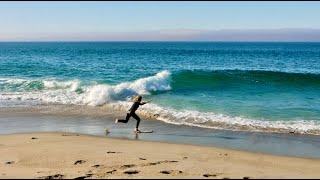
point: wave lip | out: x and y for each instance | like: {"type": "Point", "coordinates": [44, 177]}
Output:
{"type": "Point", "coordinates": [201, 78]}
{"type": "Point", "coordinates": [101, 94]}
{"type": "Point", "coordinates": [52, 84]}
{"type": "Point", "coordinates": [72, 92]}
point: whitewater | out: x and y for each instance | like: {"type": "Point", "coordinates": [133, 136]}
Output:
{"type": "Point", "coordinates": [32, 92]}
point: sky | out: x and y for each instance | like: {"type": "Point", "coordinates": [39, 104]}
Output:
{"type": "Point", "coordinates": [204, 20]}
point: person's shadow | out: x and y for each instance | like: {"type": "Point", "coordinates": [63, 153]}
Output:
{"type": "Point", "coordinates": [136, 136]}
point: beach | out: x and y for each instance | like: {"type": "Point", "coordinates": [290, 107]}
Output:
{"type": "Point", "coordinates": [198, 90]}
{"type": "Point", "coordinates": [71, 155]}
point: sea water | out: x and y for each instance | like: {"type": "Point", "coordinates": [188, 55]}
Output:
{"type": "Point", "coordinates": [250, 86]}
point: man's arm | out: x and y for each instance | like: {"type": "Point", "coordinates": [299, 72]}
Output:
{"type": "Point", "coordinates": [145, 102]}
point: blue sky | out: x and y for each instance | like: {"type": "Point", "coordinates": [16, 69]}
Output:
{"type": "Point", "coordinates": [59, 20]}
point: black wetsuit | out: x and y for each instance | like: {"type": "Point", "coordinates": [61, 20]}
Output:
{"type": "Point", "coordinates": [132, 113]}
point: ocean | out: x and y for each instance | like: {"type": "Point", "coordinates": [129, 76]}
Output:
{"type": "Point", "coordinates": [238, 86]}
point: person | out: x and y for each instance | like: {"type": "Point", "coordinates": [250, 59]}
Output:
{"type": "Point", "coordinates": [132, 112]}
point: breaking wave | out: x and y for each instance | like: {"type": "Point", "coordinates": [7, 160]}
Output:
{"type": "Point", "coordinates": [15, 91]}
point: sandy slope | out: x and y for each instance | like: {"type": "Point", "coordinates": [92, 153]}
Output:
{"type": "Point", "coordinates": [60, 154]}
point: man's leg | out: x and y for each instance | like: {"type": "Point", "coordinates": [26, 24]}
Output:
{"type": "Point", "coordinates": [137, 118]}
{"type": "Point", "coordinates": [125, 120]}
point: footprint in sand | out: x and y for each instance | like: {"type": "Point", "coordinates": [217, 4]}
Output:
{"type": "Point", "coordinates": [83, 177]}
{"type": "Point", "coordinates": [9, 162]}
{"type": "Point", "coordinates": [143, 159]}
{"type": "Point", "coordinates": [226, 154]}
{"type": "Point", "coordinates": [209, 175]}
{"type": "Point", "coordinates": [246, 177]}
{"type": "Point", "coordinates": [89, 174]}
{"type": "Point", "coordinates": [112, 152]}
{"type": "Point", "coordinates": [159, 162]}
{"type": "Point", "coordinates": [111, 172]}
{"type": "Point", "coordinates": [56, 176]}
{"type": "Point", "coordinates": [152, 164]}
{"type": "Point", "coordinates": [131, 172]}
{"type": "Point", "coordinates": [128, 166]}
{"type": "Point", "coordinates": [170, 172]}
{"type": "Point", "coordinates": [166, 172]}
{"type": "Point", "coordinates": [80, 177]}
{"type": "Point", "coordinates": [167, 161]}
{"type": "Point", "coordinates": [212, 175]}
{"type": "Point", "coordinates": [96, 166]}
{"type": "Point", "coordinates": [79, 162]}
{"type": "Point", "coordinates": [34, 138]}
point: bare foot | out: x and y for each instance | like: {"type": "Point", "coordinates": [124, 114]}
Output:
{"type": "Point", "coordinates": [137, 131]}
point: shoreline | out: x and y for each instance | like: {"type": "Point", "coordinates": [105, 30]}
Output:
{"type": "Point", "coordinates": [71, 155]}
{"type": "Point", "coordinates": [94, 121]}
{"type": "Point", "coordinates": [118, 110]}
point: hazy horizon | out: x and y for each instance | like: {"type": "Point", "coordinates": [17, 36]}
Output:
{"type": "Point", "coordinates": [227, 35]}
{"type": "Point", "coordinates": [160, 21]}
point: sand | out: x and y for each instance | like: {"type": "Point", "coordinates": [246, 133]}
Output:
{"type": "Point", "coordinates": [66, 155]}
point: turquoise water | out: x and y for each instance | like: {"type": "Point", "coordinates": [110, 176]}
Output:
{"type": "Point", "coordinates": [259, 86]}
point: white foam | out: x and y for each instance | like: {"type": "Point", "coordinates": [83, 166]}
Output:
{"type": "Point", "coordinates": [64, 92]}
{"type": "Point", "coordinates": [101, 94]}
{"type": "Point", "coordinates": [48, 84]}
{"type": "Point", "coordinates": [98, 95]}
{"type": "Point", "coordinates": [13, 82]}
{"type": "Point", "coordinates": [221, 121]}
{"type": "Point", "coordinates": [53, 84]}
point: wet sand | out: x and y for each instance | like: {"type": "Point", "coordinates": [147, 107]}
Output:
{"type": "Point", "coordinates": [94, 121]}
{"type": "Point", "coordinates": [66, 155]}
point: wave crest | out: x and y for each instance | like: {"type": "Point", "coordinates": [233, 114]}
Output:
{"type": "Point", "coordinates": [71, 92]}
{"type": "Point", "coordinates": [101, 94]}
{"type": "Point", "coordinates": [52, 84]}
{"type": "Point", "coordinates": [229, 78]}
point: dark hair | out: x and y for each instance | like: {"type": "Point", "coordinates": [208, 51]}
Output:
{"type": "Point", "coordinates": [139, 98]}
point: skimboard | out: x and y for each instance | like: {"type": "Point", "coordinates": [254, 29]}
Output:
{"type": "Point", "coordinates": [107, 131]}
{"type": "Point", "coordinates": [144, 132]}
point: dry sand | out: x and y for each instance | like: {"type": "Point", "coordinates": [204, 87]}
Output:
{"type": "Point", "coordinates": [66, 155]}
